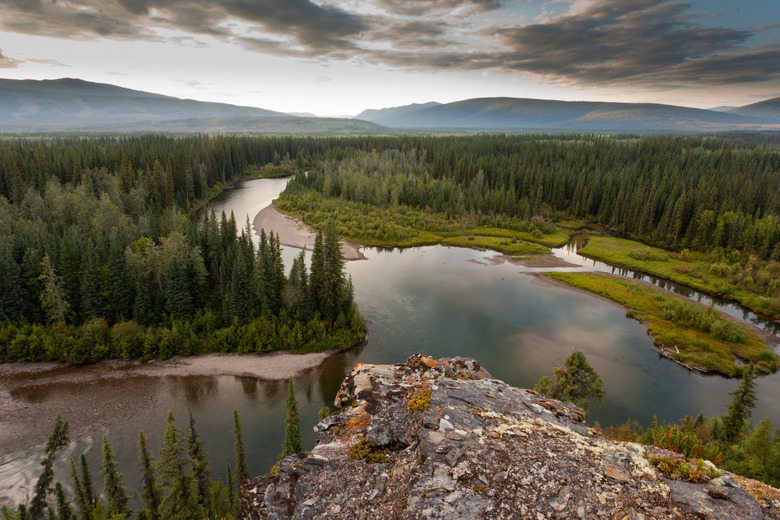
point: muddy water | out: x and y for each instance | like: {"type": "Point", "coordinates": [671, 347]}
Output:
{"type": "Point", "coordinates": [437, 300]}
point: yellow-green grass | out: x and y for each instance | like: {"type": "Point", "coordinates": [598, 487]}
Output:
{"type": "Point", "coordinates": [556, 239]}
{"type": "Point", "coordinates": [407, 227]}
{"type": "Point", "coordinates": [502, 245]}
{"type": "Point", "coordinates": [682, 341]}
{"type": "Point", "coordinates": [687, 268]}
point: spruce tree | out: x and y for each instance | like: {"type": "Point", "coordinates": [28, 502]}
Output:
{"type": "Point", "coordinates": [57, 439]}
{"type": "Point", "coordinates": [64, 512]}
{"type": "Point", "coordinates": [178, 300]}
{"type": "Point", "coordinates": [292, 429]}
{"type": "Point", "coordinates": [112, 484]}
{"type": "Point", "coordinates": [242, 471]}
{"type": "Point", "coordinates": [150, 494]}
{"type": "Point", "coordinates": [53, 298]}
{"type": "Point", "coordinates": [741, 407]}
{"type": "Point", "coordinates": [179, 495]}
{"type": "Point", "coordinates": [575, 382]}
{"type": "Point", "coordinates": [201, 468]}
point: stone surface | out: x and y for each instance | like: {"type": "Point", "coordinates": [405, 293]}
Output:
{"type": "Point", "coordinates": [481, 449]}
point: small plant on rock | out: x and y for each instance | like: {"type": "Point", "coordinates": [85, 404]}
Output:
{"type": "Point", "coordinates": [421, 400]}
{"type": "Point", "coordinates": [370, 451]}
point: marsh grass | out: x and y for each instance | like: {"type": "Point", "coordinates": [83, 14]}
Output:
{"type": "Point", "coordinates": [693, 334]}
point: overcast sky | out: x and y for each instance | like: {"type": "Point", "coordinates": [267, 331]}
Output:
{"type": "Point", "coordinates": [339, 57]}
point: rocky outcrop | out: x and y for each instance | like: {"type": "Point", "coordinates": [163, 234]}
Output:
{"type": "Point", "coordinates": [443, 439]}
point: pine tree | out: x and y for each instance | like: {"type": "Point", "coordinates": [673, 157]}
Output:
{"type": "Point", "coordinates": [575, 382]}
{"type": "Point", "coordinates": [150, 494]}
{"type": "Point", "coordinates": [741, 407]}
{"type": "Point", "coordinates": [179, 496]}
{"type": "Point", "coordinates": [112, 484]}
{"type": "Point", "coordinates": [82, 488]}
{"type": "Point", "coordinates": [292, 430]}
{"type": "Point", "coordinates": [242, 471]}
{"type": "Point", "coordinates": [57, 439]}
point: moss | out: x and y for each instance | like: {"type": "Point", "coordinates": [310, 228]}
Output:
{"type": "Point", "coordinates": [370, 451]}
{"type": "Point", "coordinates": [421, 400]}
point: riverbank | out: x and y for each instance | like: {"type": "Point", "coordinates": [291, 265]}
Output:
{"type": "Point", "coordinates": [294, 233]}
{"type": "Point", "coordinates": [26, 416]}
{"type": "Point", "coordinates": [723, 348]}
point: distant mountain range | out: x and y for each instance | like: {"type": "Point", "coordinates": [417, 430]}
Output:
{"type": "Point", "coordinates": [538, 114]}
{"type": "Point", "coordinates": [77, 105]}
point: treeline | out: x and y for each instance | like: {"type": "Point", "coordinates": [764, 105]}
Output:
{"type": "Point", "coordinates": [729, 441]}
{"type": "Point", "coordinates": [99, 259]}
{"type": "Point", "coordinates": [177, 485]}
{"type": "Point", "coordinates": [676, 192]}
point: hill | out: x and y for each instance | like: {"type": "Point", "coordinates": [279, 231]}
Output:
{"type": "Point", "coordinates": [77, 105]}
{"type": "Point", "coordinates": [538, 114]}
{"type": "Point", "coordinates": [768, 109]}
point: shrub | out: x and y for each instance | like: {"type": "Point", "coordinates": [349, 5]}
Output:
{"type": "Point", "coordinates": [370, 451]}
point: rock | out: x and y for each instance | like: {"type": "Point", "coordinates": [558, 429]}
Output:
{"type": "Point", "coordinates": [480, 449]}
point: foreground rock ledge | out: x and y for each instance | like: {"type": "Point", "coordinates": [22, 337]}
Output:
{"type": "Point", "coordinates": [479, 449]}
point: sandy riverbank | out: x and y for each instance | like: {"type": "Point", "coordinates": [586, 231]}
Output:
{"type": "Point", "coordinates": [294, 233]}
{"type": "Point", "coordinates": [32, 394]}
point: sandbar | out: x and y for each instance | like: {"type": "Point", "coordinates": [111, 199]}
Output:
{"type": "Point", "coordinates": [293, 232]}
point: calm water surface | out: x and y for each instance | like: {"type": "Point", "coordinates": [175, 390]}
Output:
{"type": "Point", "coordinates": [436, 300]}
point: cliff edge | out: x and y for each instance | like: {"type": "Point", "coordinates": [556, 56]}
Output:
{"type": "Point", "coordinates": [442, 439]}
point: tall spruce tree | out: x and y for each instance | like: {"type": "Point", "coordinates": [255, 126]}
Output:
{"type": "Point", "coordinates": [82, 488]}
{"type": "Point", "coordinates": [178, 299]}
{"type": "Point", "coordinates": [292, 429]}
{"type": "Point", "coordinates": [113, 487]}
{"type": "Point", "coordinates": [64, 511]}
{"type": "Point", "coordinates": [242, 471]}
{"type": "Point", "coordinates": [179, 493]}
{"type": "Point", "coordinates": [53, 298]}
{"type": "Point", "coordinates": [201, 468]}
{"type": "Point", "coordinates": [150, 494]}
{"type": "Point", "coordinates": [57, 439]}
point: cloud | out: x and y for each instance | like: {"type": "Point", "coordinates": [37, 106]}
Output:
{"type": "Point", "coordinates": [420, 7]}
{"type": "Point", "coordinates": [584, 42]}
{"type": "Point", "coordinates": [8, 63]}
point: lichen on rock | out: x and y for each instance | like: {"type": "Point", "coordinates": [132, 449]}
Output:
{"type": "Point", "coordinates": [480, 449]}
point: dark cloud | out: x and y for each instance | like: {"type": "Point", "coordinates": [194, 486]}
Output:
{"type": "Point", "coordinates": [410, 34]}
{"type": "Point", "coordinates": [7, 63]}
{"type": "Point", "coordinates": [744, 67]}
{"type": "Point", "coordinates": [594, 42]}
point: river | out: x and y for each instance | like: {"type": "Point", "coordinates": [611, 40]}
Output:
{"type": "Point", "coordinates": [436, 300]}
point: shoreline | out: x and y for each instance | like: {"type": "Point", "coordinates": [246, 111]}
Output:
{"type": "Point", "coordinates": [292, 232]}
{"type": "Point", "coordinates": [25, 419]}
{"type": "Point", "coordinates": [768, 338]}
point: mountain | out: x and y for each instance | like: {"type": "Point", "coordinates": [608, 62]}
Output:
{"type": "Point", "coordinates": [769, 109]}
{"type": "Point", "coordinates": [441, 438]}
{"type": "Point", "coordinates": [377, 115]}
{"type": "Point", "coordinates": [74, 104]}
{"type": "Point", "coordinates": [538, 114]}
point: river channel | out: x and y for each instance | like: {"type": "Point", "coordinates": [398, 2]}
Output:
{"type": "Point", "coordinates": [436, 300]}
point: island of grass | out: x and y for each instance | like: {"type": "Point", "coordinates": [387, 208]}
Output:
{"type": "Point", "coordinates": [752, 283]}
{"type": "Point", "coordinates": [690, 334]}
{"type": "Point", "coordinates": [403, 226]}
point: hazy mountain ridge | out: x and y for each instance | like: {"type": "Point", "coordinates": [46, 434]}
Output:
{"type": "Point", "coordinates": [532, 114]}
{"type": "Point", "coordinates": [77, 105]}
{"type": "Point", "coordinates": [768, 109]}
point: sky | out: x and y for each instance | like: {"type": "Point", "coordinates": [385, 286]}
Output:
{"type": "Point", "coordinates": [339, 57]}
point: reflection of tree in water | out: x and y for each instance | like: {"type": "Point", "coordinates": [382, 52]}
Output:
{"type": "Point", "coordinates": [195, 389]}
{"type": "Point", "coordinates": [249, 384]}
{"type": "Point", "coordinates": [271, 388]}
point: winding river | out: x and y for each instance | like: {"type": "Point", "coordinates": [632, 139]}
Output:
{"type": "Point", "coordinates": [437, 300]}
